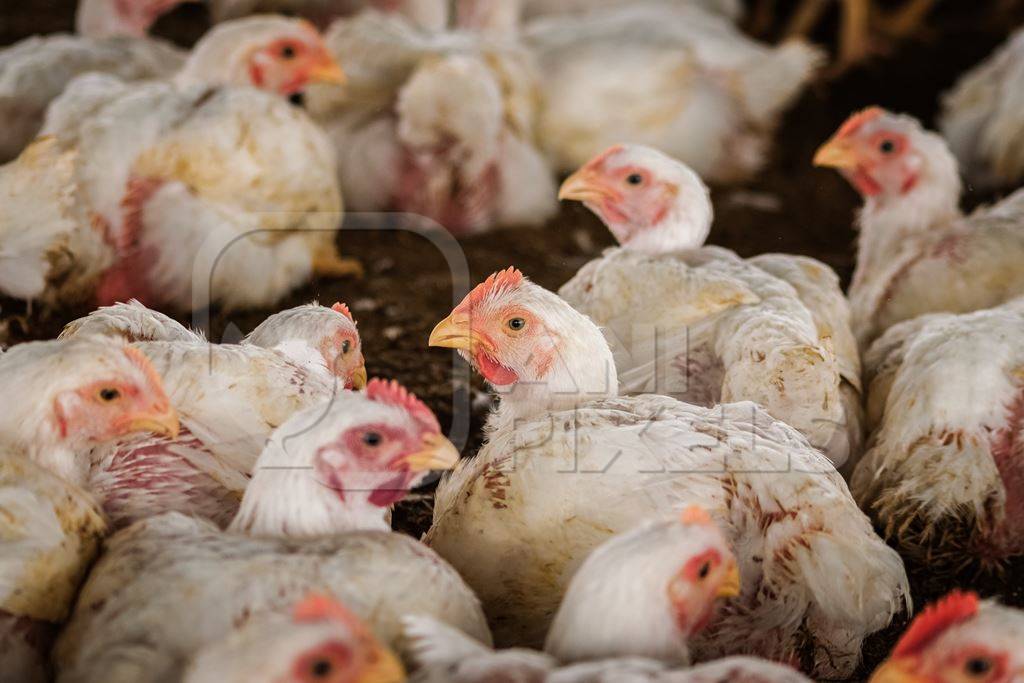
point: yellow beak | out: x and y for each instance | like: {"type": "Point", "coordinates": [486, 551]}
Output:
{"type": "Point", "coordinates": [896, 671]}
{"type": "Point", "coordinates": [438, 453]}
{"type": "Point", "coordinates": [730, 588]}
{"type": "Point", "coordinates": [327, 70]}
{"type": "Point", "coordinates": [384, 669]}
{"type": "Point", "coordinates": [162, 424]}
{"type": "Point", "coordinates": [585, 185]}
{"type": "Point", "coordinates": [359, 377]}
{"type": "Point", "coordinates": [456, 332]}
{"type": "Point", "coordinates": [837, 153]}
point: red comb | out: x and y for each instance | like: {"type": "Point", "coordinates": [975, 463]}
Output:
{"type": "Point", "coordinates": [339, 307]}
{"type": "Point", "coordinates": [139, 360]}
{"type": "Point", "coordinates": [854, 123]}
{"type": "Point", "coordinates": [395, 394]}
{"type": "Point", "coordinates": [953, 609]}
{"type": "Point", "coordinates": [494, 285]}
{"type": "Point", "coordinates": [695, 514]}
{"type": "Point", "coordinates": [320, 607]}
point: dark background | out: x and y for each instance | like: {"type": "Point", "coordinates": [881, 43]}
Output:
{"type": "Point", "coordinates": [407, 288]}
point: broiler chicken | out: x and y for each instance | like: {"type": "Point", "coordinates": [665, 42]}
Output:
{"type": "Point", "coordinates": [568, 464]}
{"type": "Point", "coordinates": [438, 125]}
{"type": "Point", "coordinates": [320, 640]}
{"type": "Point", "coordinates": [36, 70]}
{"type": "Point", "coordinates": [230, 399]}
{"type": "Point", "coordinates": [959, 638]}
{"type": "Point", "coordinates": [273, 53]}
{"type": "Point", "coordinates": [312, 519]}
{"type": "Point", "coordinates": [429, 15]}
{"type": "Point", "coordinates": [676, 77]}
{"type": "Point", "coordinates": [703, 325]}
{"type": "Point", "coordinates": [75, 395]}
{"type": "Point", "coordinates": [917, 252]}
{"type": "Point", "coordinates": [981, 118]}
{"type": "Point", "coordinates": [50, 531]}
{"type": "Point", "coordinates": [686, 559]}
{"type": "Point", "coordinates": [72, 396]}
{"type": "Point", "coordinates": [943, 475]}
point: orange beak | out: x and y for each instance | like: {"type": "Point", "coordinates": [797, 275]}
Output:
{"type": "Point", "coordinates": [730, 588]}
{"type": "Point", "coordinates": [456, 332]}
{"type": "Point", "coordinates": [327, 70]}
{"type": "Point", "coordinates": [838, 153]}
{"type": "Point", "coordinates": [437, 453]}
{"type": "Point", "coordinates": [384, 668]}
{"type": "Point", "coordinates": [897, 671]}
{"type": "Point", "coordinates": [358, 378]}
{"type": "Point", "coordinates": [587, 185]}
{"type": "Point", "coordinates": [161, 422]}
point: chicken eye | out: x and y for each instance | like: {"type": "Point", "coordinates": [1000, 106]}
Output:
{"type": "Point", "coordinates": [372, 439]}
{"type": "Point", "coordinates": [887, 146]}
{"type": "Point", "coordinates": [346, 345]}
{"type": "Point", "coordinates": [321, 668]}
{"type": "Point", "coordinates": [704, 570]}
{"type": "Point", "coordinates": [516, 324]}
{"type": "Point", "coordinates": [108, 394]}
{"type": "Point", "coordinates": [635, 179]}
{"type": "Point", "coordinates": [288, 52]}
{"type": "Point", "coordinates": [977, 666]}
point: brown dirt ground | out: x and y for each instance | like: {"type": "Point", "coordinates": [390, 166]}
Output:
{"type": "Point", "coordinates": [408, 288]}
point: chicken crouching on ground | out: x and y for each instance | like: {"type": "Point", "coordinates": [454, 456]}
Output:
{"type": "Point", "coordinates": [673, 76]}
{"type": "Point", "coordinates": [917, 252]}
{"type": "Point", "coordinates": [273, 53]}
{"type": "Point", "coordinates": [314, 518]}
{"type": "Point", "coordinates": [568, 464]}
{"type": "Point", "coordinates": [435, 125]}
{"type": "Point", "coordinates": [73, 396]}
{"type": "Point", "coordinates": [943, 475]}
{"type": "Point", "coordinates": [703, 325]}
{"type": "Point", "coordinates": [660, 580]}
{"type": "Point", "coordinates": [230, 398]}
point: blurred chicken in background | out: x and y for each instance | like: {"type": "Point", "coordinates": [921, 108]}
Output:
{"type": "Point", "coordinates": [439, 125]}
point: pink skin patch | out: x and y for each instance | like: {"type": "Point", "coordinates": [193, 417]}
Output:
{"type": "Point", "coordinates": [460, 206]}
{"type": "Point", "coordinates": [493, 371]}
{"type": "Point", "coordinates": [359, 456]}
{"type": "Point", "coordinates": [126, 279]}
{"type": "Point", "coordinates": [1008, 453]}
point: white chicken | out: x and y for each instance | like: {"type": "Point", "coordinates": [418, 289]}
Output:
{"type": "Point", "coordinates": [50, 531]}
{"type": "Point", "coordinates": [230, 399]}
{"type": "Point", "coordinates": [312, 519]}
{"type": "Point", "coordinates": [36, 70]}
{"type": "Point", "coordinates": [981, 118]}
{"type": "Point", "coordinates": [917, 252]}
{"type": "Point", "coordinates": [148, 210]}
{"type": "Point", "coordinates": [943, 475]}
{"type": "Point", "coordinates": [321, 640]}
{"type": "Point", "coordinates": [703, 325]}
{"type": "Point", "coordinates": [567, 464]}
{"type": "Point", "coordinates": [438, 125]}
{"type": "Point", "coordinates": [959, 638]}
{"type": "Point", "coordinates": [675, 77]}
{"type": "Point", "coordinates": [76, 394]}
{"type": "Point", "coordinates": [72, 396]}
{"type": "Point", "coordinates": [429, 15]}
